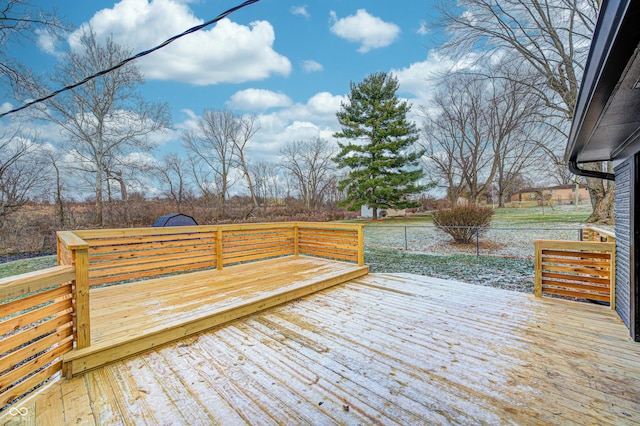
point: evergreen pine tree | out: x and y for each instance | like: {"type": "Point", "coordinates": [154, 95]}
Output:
{"type": "Point", "coordinates": [383, 162]}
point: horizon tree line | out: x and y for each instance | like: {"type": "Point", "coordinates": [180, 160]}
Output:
{"type": "Point", "coordinates": [491, 125]}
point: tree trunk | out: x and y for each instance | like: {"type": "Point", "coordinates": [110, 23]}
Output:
{"type": "Point", "coordinates": [600, 202]}
{"type": "Point", "coordinates": [603, 212]}
{"type": "Point", "coordinates": [59, 202]}
{"type": "Point", "coordinates": [374, 213]}
{"type": "Point", "coordinates": [252, 191]}
{"type": "Point", "coordinates": [125, 197]}
{"type": "Point", "coordinates": [98, 207]}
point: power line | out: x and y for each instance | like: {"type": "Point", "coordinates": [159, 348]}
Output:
{"type": "Point", "coordinates": [132, 58]}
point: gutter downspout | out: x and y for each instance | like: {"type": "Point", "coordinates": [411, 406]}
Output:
{"type": "Point", "coordinates": [573, 168]}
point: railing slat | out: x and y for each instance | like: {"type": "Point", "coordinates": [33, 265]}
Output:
{"type": "Point", "coordinates": [36, 329]}
{"type": "Point", "coordinates": [28, 384]}
{"type": "Point", "coordinates": [581, 269]}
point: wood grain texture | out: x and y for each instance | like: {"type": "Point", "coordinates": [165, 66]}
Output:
{"type": "Point", "coordinates": [134, 317]}
{"type": "Point", "coordinates": [381, 349]}
{"type": "Point", "coordinates": [579, 269]}
{"type": "Point", "coordinates": [36, 328]}
{"type": "Point", "coordinates": [20, 285]}
{"type": "Point", "coordinates": [117, 255]}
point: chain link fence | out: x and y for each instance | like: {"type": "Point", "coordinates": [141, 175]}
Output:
{"type": "Point", "coordinates": [501, 256]}
{"type": "Point", "coordinates": [510, 242]}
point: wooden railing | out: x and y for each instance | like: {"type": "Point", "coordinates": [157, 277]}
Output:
{"type": "Point", "coordinates": [117, 255]}
{"type": "Point", "coordinates": [36, 328]}
{"type": "Point", "coordinates": [590, 233]}
{"type": "Point", "coordinates": [581, 269]}
{"type": "Point", "coordinates": [45, 314]}
{"type": "Point", "coordinates": [110, 256]}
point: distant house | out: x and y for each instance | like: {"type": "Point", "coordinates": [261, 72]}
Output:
{"type": "Point", "coordinates": [560, 194]}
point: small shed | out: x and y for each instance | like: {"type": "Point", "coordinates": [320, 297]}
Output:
{"type": "Point", "coordinates": [174, 219]}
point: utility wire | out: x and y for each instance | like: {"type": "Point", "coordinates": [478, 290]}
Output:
{"type": "Point", "coordinates": [132, 58]}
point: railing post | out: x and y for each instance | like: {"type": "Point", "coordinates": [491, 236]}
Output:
{"type": "Point", "coordinates": [537, 267]}
{"type": "Point", "coordinates": [81, 296]}
{"type": "Point", "coordinates": [612, 278]}
{"type": "Point", "coordinates": [406, 245]}
{"type": "Point", "coordinates": [296, 240]}
{"type": "Point", "coordinates": [360, 245]}
{"type": "Point", "coordinates": [219, 248]}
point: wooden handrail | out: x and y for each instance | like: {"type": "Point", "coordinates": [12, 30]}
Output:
{"type": "Point", "coordinates": [103, 256]}
{"type": "Point", "coordinates": [31, 282]}
{"type": "Point", "coordinates": [591, 233]}
{"type": "Point", "coordinates": [71, 240]}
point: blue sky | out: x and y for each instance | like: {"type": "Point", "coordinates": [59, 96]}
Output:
{"type": "Point", "coordinates": [287, 62]}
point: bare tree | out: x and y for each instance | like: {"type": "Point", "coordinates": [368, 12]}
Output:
{"type": "Point", "coordinates": [310, 164]}
{"type": "Point", "coordinates": [482, 133]}
{"type": "Point", "coordinates": [440, 152]}
{"type": "Point", "coordinates": [212, 148]}
{"type": "Point", "coordinates": [172, 175]}
{"type": "Point", "coordinates": [22, 171]}
{"type": "Point", "coordinates": [246, 128]}
{"type": "Point", "coordinates": [22, 22]}
{"type": "Point", "coordinates": [106, 118]}
{"type": "Point", "coordinates": [130, 173]}
{"type": "Point", "coordinates": [460, 138]}
{"type": "Point", "coordinates": [514, 115]}
{"type": "Point", "coordinates": [549, 39]}
{"type": "Point", "coordinates": [268, 183]}
{"type": "Point", "coordinates": [208, 185]}
{"type": "Point", "coordinates": [56, 162]}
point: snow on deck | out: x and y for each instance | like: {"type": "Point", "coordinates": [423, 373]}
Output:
{"type": "Point", "coordinates": [385, 349]}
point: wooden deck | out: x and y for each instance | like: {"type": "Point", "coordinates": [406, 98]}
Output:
{"type": "Point", "coordinates": [381, 349]}
{"type": "Point", "coordinates": [130, 318]}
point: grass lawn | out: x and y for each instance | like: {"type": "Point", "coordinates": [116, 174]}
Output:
{"type": "Point", "coordinates": [22, 266]}
{"type": "Point", "coordinates": [500, 272]}
{"type": "Point", "coordinates": [433, 254]}
{"type": "Point", "coordinates": [537, 216]}
{"type": "Point", "coordinates": [509, 216]}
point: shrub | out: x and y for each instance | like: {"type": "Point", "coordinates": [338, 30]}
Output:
{"type": "Point", "coordinates": [461, 222]}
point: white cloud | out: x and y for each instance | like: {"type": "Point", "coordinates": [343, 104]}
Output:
{"type": "Point", "coordinates": [300, 10]}
{"type": "Point", "coordinates": [420, 78]}
{"type": "Point", "coordinates": [311, 66]}
{"type": "Point", "coordinates": [424, 28]}
{"type": "Point", "coordinates": [300, 121]}
{"type": "Point", "coordinates": [370, 31]}
{"type": "Point", "coordinates": [320, 108]}
{"type": "Point", "coordinates": [6, 106]}
{"type": "Point", "coordinates": [258, 99]}
{"type": "Point", "coordinates": [226, 53]}
{"type": "Point", "coordinates": [46, 42]}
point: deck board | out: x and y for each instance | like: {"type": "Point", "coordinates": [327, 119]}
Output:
{"type": "Point", "coordinates": [384, 348]}
{"type": "Point", "coordinates": [133, 317]}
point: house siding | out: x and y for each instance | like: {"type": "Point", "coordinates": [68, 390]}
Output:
{"type": "Point", "coordinates": [623, 179]}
